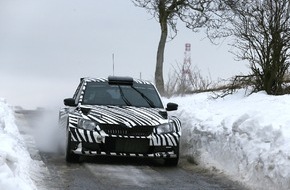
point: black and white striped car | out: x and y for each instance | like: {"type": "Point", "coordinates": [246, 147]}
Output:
{"type": "Point", "coordinates": [119, 116]}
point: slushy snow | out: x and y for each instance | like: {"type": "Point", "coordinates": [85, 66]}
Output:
{"type": "Point", "coordinates": [244, 137]}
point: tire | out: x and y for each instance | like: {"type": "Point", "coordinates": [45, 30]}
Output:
{"type": "Point", "coordinates": [172, 161]}
{"type": "Point", "coordinates": [69, 155]}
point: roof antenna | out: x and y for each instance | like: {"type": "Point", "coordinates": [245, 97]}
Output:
{"type": "Point", "coordinates": [113, 58]}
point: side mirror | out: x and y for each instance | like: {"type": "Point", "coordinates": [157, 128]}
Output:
{"type": "Point", "coordinates": [70, 102]}
{"type": "Point", "coordinates": [171, 106]}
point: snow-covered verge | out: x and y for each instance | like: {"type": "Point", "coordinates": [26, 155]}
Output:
{"type": "Point", "coordinates": [16, 165]}
{"type": "Point", "coordinates": [245, 137]}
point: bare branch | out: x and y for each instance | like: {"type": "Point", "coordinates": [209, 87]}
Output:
{"type": "Point", "coordinates": [261, 32]}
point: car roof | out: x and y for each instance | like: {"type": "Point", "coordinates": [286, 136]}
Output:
{"type": "Point", "coordinates": [106, 80]}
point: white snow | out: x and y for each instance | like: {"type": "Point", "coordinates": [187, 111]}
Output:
{"type": "Point", "coordinates": [244, 137]}
{"type": "Point", "coordinates": [16, 165]}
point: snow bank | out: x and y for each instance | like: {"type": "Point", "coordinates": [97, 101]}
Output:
{"type": "Point", "coordinates": [246, 137]}
{"type": "Point", "coordinates": [15, 161]}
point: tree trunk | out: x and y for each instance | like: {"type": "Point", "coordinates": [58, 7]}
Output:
{"type": "Point", "coordinates": [159, 81]}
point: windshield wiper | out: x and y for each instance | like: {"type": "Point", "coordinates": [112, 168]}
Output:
{"type": "Point", "coordinates": [123, 96]}
{"type": "Point", "coordinates": [150, 102]}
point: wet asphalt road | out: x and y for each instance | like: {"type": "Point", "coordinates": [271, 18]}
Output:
{"type": "Point", "coordinates": [94, 173]}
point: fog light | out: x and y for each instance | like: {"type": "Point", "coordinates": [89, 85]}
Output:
{"type": "Point", "coordinates": [100, 138]}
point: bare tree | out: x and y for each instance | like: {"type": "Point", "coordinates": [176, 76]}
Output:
{"type": "Point", "coordinates": [194, 13]}
{"type": "Point", "coordinates": [261, 31]}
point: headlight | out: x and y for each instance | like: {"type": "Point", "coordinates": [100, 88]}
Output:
{"type": "Point", "coordinates": [164, 128]}
{"type": "Point", "coordinates": [87, 124]}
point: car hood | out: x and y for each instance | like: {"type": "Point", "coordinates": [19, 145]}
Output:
{"type": "Point", "coordinates": [127, 115]}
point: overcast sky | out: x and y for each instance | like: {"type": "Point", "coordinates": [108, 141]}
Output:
{"type": "Point", "coordinates": [47, 45]}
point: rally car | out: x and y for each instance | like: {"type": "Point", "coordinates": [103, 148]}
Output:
{"type": "Point", "coordinates": [119, 116]}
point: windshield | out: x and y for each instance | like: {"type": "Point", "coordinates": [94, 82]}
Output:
{"type": "Point", "coordinates": [104, 94]}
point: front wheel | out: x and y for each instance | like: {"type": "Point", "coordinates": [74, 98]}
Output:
{"type": "Point", "coordinates": [69, 155]}
{"type": "Point", "coordinates": [171, 161]}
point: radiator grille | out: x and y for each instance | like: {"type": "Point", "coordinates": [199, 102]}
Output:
{"type": "Point", "coordinates": [123, 130]}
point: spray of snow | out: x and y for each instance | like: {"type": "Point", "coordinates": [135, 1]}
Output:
{"type": "Point", "coordinates": [246, 137]}
{"type": "Point", "coordinates": [47, 133]}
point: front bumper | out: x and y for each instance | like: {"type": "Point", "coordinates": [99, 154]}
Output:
{"type": "Point", "coordinates": [86, 142]}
